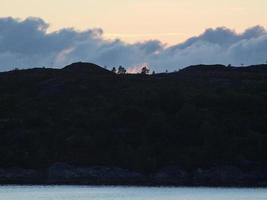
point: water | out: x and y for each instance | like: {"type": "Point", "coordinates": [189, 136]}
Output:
{"type": "Point", "coordinates": [127, 193]}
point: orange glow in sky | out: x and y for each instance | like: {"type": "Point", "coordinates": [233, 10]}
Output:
{"type": "Point", "coordinates": [170, 21]}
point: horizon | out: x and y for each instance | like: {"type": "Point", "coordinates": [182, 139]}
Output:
{"type": "Point", "coordinates": [138, 70]}
{"type": "Point", "coordinates": [160, 34]}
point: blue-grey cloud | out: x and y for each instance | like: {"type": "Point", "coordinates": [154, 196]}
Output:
{"type": "Point", "coordinates": [27, 43]}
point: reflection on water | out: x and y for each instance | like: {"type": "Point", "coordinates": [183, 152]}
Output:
{"type": "Point", "coordinates": [127, 193]}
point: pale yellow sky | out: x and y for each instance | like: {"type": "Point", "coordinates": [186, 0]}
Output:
{"type": "Point", "coordinates": [170, 21]}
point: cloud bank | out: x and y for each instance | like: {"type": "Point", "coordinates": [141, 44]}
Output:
{"type": "Point", "coordinates": [27, 43]}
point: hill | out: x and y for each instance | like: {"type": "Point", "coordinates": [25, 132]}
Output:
{"type": "Point", "coordinates": [211, 118]}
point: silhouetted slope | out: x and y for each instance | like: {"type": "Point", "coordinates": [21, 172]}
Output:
{"type": "Point", "coordinates": [219, 72]}
{"type": "Point", "coordinates": [200, 117]}
{"type": "Point", "coordinates": [223, 68]}
{"type": "Point", "coordinates": [86, 68]}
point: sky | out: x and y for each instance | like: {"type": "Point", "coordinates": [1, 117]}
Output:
{"type": "Point", "coordinates": [133, 33]}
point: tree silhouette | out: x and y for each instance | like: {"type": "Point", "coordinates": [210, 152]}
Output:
{"type": "Point", "coordinates": [144, 70]}
{"type": "Point", "coordinates": [114, 70]}
{"type": "Point", "coordinates": [121, 70]}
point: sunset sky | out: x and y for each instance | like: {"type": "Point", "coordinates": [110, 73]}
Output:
{"type": "Point", "coordinates": [170, 21]}
{"type": "Point", "coordinates": [162, 34]}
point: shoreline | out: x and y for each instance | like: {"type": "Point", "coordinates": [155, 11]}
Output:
{"type": "Point", "coordinates": [175, 176]}
{"type": "Point", "coordinates": [133, 186]}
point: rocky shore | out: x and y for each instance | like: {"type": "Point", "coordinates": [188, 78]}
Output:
{"type": "Point", "coordinates": [61, 173]}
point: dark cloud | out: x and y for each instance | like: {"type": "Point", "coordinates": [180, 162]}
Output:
{"type": "Point", "coordinates": [26, 43]}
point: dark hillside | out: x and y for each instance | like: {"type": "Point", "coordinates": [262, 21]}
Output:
{"type": "Point", "coordinates": [84, 115]}
{"type": "Point", "coordinates": [87, 69]}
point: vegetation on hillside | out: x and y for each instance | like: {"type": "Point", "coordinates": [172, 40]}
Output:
{"type": "Point", "coordinates": [85, 115]}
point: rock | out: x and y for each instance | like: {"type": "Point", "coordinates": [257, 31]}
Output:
{"type": "Point", "coordinates": [171, 176]}
{"type": "Point", "coordinates": [19, 175]}
{"type": "Point", "coordinates": [61, 172]}
{"type": "Point", "coordinates": [227, 176]}
{"type": "Point", "coordinates": [223, 175]}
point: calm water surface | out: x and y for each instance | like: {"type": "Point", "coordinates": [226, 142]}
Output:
{"type": "Point", "coordinates": [127, 193]}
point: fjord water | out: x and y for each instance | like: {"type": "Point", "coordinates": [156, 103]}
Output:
{"type": "Point", "coordinates": [127, 193]}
